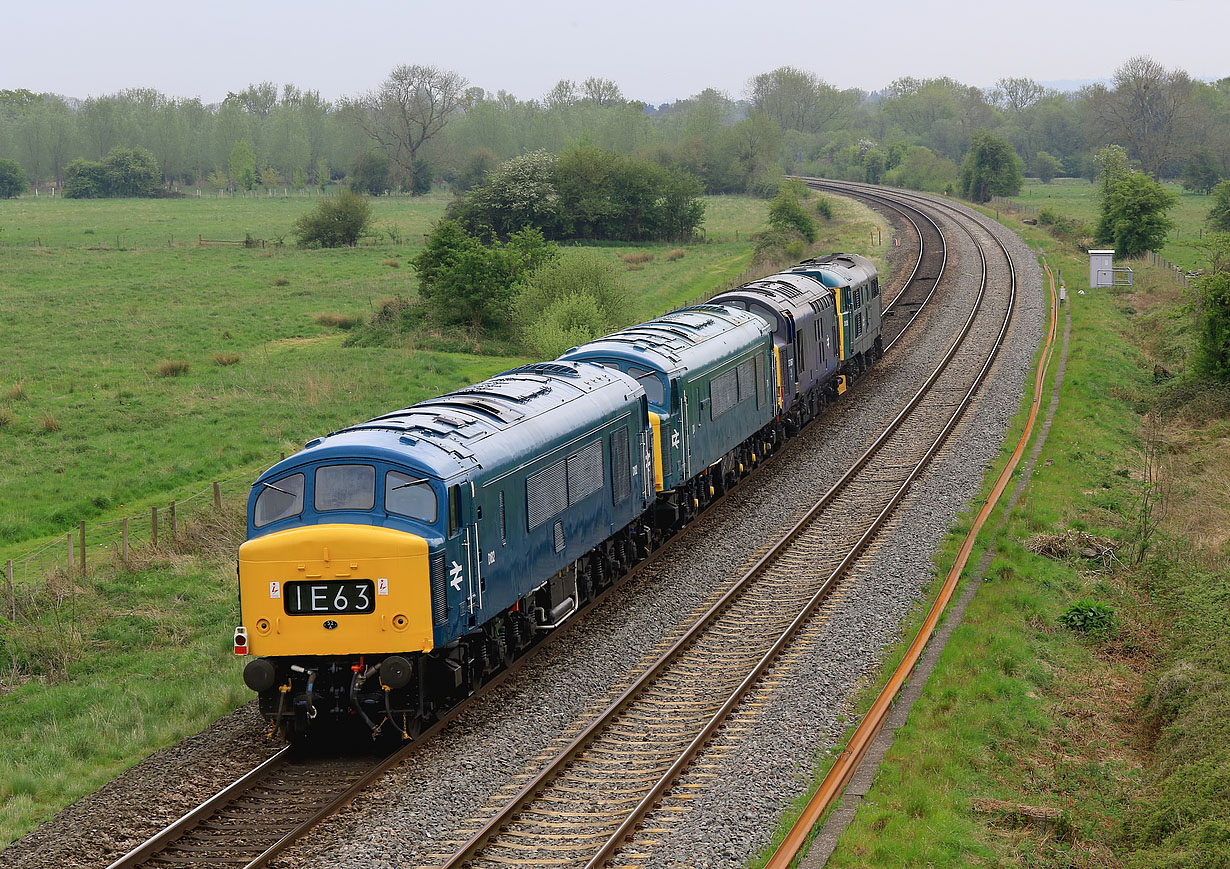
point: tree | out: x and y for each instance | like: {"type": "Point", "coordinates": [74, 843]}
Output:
{"type": "Point", "coordinates": [1213, 291]}
{"type": "Point", "coordinates": [991, 168]}
{"type": "Point", "coordinates": [410, 107]}
{"type": "Point", "coordinates": [335, 221]}
{"type": "Point", "coordinates": [518, 193]}
{"type": "Point", "coordinates": [1046, 166]}
{"type": "Point", "coordinates": [85, 179]}
{"type": "Point", "coordinates": [370, 173]}
{"type": "Point", "coordinates": [1147, 110]}
{"type": "Point", "coordinates": [1133, 215]}
{"type": "Point", "coordinates": [243, 165]}
{"type": "Point", "coordinates": [131, 172]}
{"type": "Point", "coordinates": [601, 92]}
{"type": "Point", "coordinates": [574, 298]}
{"type": "Point", "coordinates": [1219, 213]}
{"type": "Point", "coordinates": [270, 178]}
{"type": "Point", "coordinates": [466, 282]}
{"type": "Point", "coordinates": [796, 99]}
{"type": "Point", "coordinates": [1016, 95]}
{"type": "Point", "coordinates": [874, 164]}
{"type": "Point", "coordinates": [12, 179]}
{"type": "Point", "coordinates": [1200, 172]}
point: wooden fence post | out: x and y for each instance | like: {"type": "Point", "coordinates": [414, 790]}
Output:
{"type": "Point", "coordinates": [83, 548]}
{"type": "Point", "coordinates": [153, 525]}
{"type": "Point", "coordinates": [172, 521]}
{"type": "Point", "coordinates": [69, 539]}
{"type": "Point", "coordinates": [124, 542]}
{"type": "Point", "coordinates": [217, 497]}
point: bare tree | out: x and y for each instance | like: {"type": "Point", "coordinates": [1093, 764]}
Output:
{"type": "Point", "coordinates": [562, 95]}
{"type": "Point", "coordinates": [796, 99]}
{"type": "Point", "coordinates": [1017, 94]}
{"type": "Point", "coordinates": [410, 107]}
{"type": "Point", "coordinates": [1146, 111]}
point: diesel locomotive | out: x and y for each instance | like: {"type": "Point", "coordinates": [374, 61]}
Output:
{"type": "Point", "coordinates": [394, 566]}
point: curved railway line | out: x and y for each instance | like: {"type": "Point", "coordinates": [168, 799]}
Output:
{"type": "Point", "coordinates": [584, 805]}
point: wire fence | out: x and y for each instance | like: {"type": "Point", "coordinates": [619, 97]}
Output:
{"type": "Point", "coordinates": [113, 541]}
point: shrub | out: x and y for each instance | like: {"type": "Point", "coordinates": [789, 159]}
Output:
{"type": "Point", "coordinates": [335, 222]}
{"type": "Point", "coordinates": [1213, 339]}
{"type": "Point", "coordinates": [12, 179]}
{"type": "Point", "coordinates": [1088, 617]}
{"type": "Point", "coordinates": [391, 263]}
{"type": "Point", "coordinates": [6, 417]}
{"type": "Point", "coordinates": [337, 321]}
{"type": "Point", "coordinates": [576, 298]}
{"type": "Point", "coordinates": [637, 258]}
{"type": "Point", "coordinates": [676, 254]}
{"type": "Point", "coordinates": [171, 368]}
{"type": "Point", "coordinates": [796, 249]}
{"type": "Point", "coordinates": [16, 392]}
{"type": "Point", "coordinates": [48, 423]}
{"type": "Point", "coordinates": [1219, 212]}
{"type": "Point", "coordinates": [281, 281]}
{"type": "Point", "coordinates": [226, 358]}
{"type": "Point", "coordinates": [787, 214]}
{"type": "Point", "coordinates": [824, 207]}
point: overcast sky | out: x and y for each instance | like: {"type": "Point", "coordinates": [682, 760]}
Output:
{"type": "Point", "coordinates": [656, 51]}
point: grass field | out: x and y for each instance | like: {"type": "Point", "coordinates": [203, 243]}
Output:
{"type": "Point", "coordinates": [1077, 197]}
{"type": "Point", "coordinates": [1119, 732]}
{"type": "Point", "coordinates": [98, 671]}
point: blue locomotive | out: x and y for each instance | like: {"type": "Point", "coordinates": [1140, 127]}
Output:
{"type": "Point", "coordinates": [393, 566]}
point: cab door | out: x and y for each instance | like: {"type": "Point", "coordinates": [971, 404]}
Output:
{"type": "Point", "coordinates": [462, 570]}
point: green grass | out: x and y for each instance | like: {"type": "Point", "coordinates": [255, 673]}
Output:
{"type": "Point", "coordinates": [1077, 198]}
{"type": "Point", "coordinates": [103, 670]}
{"type": "Point", "coordinates": [1023, 710]}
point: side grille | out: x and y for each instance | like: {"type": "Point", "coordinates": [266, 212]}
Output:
{"type": "Point", "coordinates": [621, 483]}
{"type": "Point", "coordinates": [546, 494]}
{"type": "Point", "coordinates": [439, 590]}
{"type": "Point", "coordinates": [585, 472]}
{"type": "Point", "coordinates": [559, 536]}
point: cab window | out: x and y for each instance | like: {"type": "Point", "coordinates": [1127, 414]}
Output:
{"type": "Point", "coordinates": [278, 500]}
{"type": "Point", "coordinates": [651, 383]}
{"type": "Point", "coordinates": [409, 496]}
{"type": "Point", "coordinates": [345, 487]}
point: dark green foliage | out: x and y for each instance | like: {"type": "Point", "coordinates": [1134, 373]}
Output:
{"type": "Point", "coordinates": [242, 164]}
{"type": "Point", "coordinates": [874, 165]}
{"type": "Point", "coordinates": [124, 172]}
{"type": "Point", "coordinates": [370, 173]}
{"type": "Point", "coordinates": [787, 212]}
{"type": "Point", "coordinates": [1219, 212]}
{"type": "Point", "coordinates": [1133, 214]}
{"type": "Point", "coordinates": [1046, 166]}
{"type": "Point", "coordinates": [12, 179]}
{"type": "Point", "coordinates": [421, 177]}
{"type": "Point", "coordinates": [824, 206]}
{"type": "Point", "coordinates": [1213, 340]}
{"type": "Point", "coordinates": [1088, 617]}
{"type": "Point", "coordinates": [584, 193]}
{"type": "Point", "coordinates": [463, 281]}
{"type": "Point", "coordinates": [336, 221]}
{"type": "Point", "coordinates": [474, 171]}
{"type": "Point", "coordinates": [1200, 172]}
{"type": "Point", "coordinates": [991, 168]}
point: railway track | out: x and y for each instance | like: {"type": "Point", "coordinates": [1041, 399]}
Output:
{"type": "Point", "coordinates": [587, 802]}
{"type": "Point", "coordinates": [254, 819]}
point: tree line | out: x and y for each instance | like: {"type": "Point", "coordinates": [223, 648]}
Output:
{"type": "Point", "coordinates": [425, 125]}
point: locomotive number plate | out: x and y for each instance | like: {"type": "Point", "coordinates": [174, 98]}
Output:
{"type": "Point", "coordinates": [333, 596]}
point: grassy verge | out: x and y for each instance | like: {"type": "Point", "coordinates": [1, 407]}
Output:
{"type": "Point", "coordinates": [1037, 745]}
{"type": "Point", "coordinates": [97, 672]}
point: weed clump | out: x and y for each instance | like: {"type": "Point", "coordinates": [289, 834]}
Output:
{"type": "Point", "coordinates": [171, 368]}
{"type": "Point", "coordinates": [637, 258]}
{"type": "Point", "coordinates": [1088, 617]}
{"type": "Point", "coordinates": [675, 255]}
{"type": "Point", "coordinates": [391, 263]}
{"type": "Point", "coordinates": [16, 392]}
{"type": "Point", "coordinates": [281, 281]}
{"type": "Point", "coordinates": [226, 358]}
{"type": "Point", "coordinates": [6, 418]}
{"type": "Point", "coordinates": [337, 321]}
{"type": "Point", "coordinates": [48, 423]}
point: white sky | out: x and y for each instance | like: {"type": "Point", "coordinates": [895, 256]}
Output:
{"type": "Point", "coordinates": [655, 51]}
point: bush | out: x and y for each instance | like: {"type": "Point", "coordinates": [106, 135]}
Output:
{"type": "Point", "coordinates": [1213, 340]}
{"type": "Point", "coordinates": [1219, 213]}
{"type": "Point", "coordinates": [1088, 617]}
{"type": "Point", "coordinates": [12, 179]}
{"type": "Point", "coordinates": [787, 214]}
{"type": "Point", "coordinates": [1133, 214]}
{"type": "Point", "coordinates": [335, 221]}
{"type": "Point", "coordinates": [824, 206]}
{"type": "Point", "coordinates": [171, 368]}
{"type": "Point", "coordinates": [370, 173]}
{"type": "Point", "coordinates": [49, 423]}
{"type": "Point", "coordinates": [576, 298]}
{"type": "Point", "coordinates": [637, 258]}
{"type": "Point", "coordinates": [675, 255]}
{"type": "Point", "coordinates": [225, 359]}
